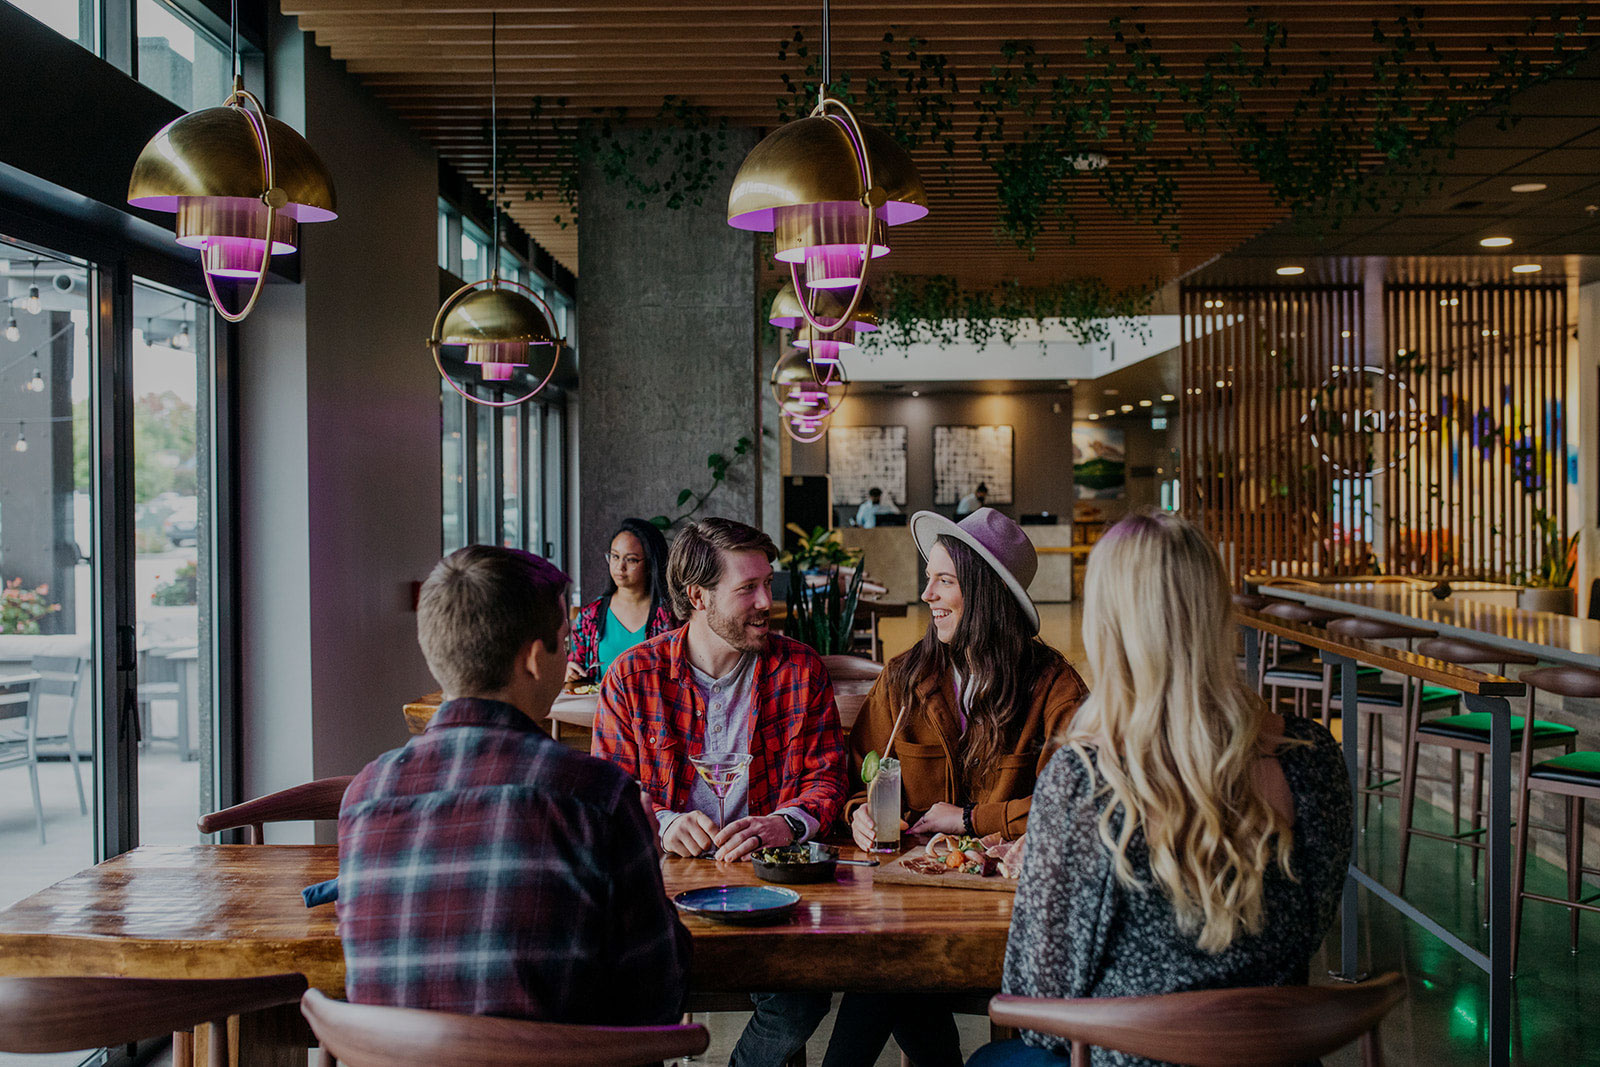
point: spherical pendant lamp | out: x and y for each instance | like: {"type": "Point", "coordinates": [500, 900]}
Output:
{"type": "Point", "coordinates": [240, 182]}
{"type": "Point", "coordinates": [805, 402]}
{"type": "Point", "coordinates": [499, 321]}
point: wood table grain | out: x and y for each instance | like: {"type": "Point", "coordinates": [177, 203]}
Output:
{"type": "Point", "coordinates": [227, 911]}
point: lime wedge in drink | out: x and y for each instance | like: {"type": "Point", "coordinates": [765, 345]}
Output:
{"type": "Point", "coordinates": [869, 768]}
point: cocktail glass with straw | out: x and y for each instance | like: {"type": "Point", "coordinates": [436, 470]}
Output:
{"type": "Point", "coordinates": [721, 770]}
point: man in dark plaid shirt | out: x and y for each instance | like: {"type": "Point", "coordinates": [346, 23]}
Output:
{"type": "Point", "coordinates": [722, 683]}
{"type": "Point", "coordinates": [484, 868]}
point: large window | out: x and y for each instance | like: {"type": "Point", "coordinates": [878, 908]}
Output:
{"type": "Point", "coordinates": [76, 20]}
{"type": "Point", "coordinates": [178, 59]}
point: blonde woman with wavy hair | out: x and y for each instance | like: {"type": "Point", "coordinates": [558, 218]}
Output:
{"type": "Point", "coordinates": [1184, 837]}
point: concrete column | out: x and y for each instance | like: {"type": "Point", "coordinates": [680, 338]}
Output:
{"type": "Point", "coordinates": [670, 370]}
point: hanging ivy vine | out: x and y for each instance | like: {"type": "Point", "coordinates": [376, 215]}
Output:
{"type": "Point", "coordinates": [911, 95]}
{"type": "Point", "coordinates": [1049, 131]}
{"type": "Point", "coordinates": [919, 309]}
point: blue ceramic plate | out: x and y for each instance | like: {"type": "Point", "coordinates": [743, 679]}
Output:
{"type": "Point", "coordinates": [739, 903]}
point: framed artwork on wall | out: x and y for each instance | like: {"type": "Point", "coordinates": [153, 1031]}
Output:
{"type": "Point", "coordinates": [963, 456]}
{"type": "Point", "coordinates": [861, 457]}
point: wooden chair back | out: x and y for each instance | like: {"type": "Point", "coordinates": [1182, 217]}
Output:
{"type": "Point", "coordinates": [1261, 1027]}
{"type": "Point", "coordinates": [309, 800]}
{"type": "Point", "coordinates": [1455, 650]}
{"type": "Point", "coordinates": [67, 1014]}
{"type": "Point", "coordinates": [1377, 630]}
{"type": "Point", "coordinates": [1565, 681]}
{"type": "Point", "coordinates": [1297, 612]}
{"type": "Point", "coordinates": [852, 668]}
{"type": "Point", "coordinates": [1250, 601]}
{"type": "Point", "coordinates": [362, 1035]}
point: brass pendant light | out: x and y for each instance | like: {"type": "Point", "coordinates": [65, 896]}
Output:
{"type": "Point", "coordinates": [240, 182]}
{"type": "Point", "coordinates": [498, 324]}
{"type": "Point", "coordinates": [828, 188]}
{"type": "Point", "coordinates": [827, 351]}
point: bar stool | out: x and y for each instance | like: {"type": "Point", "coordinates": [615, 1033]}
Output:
{"type": "Point", "coordinates": [1379, 700]}
{"type": "Point", "coordinates": [1463, 733]}
{"type": "Point", "coordinates": [1575, 776]}
{"type": "Point", "coordinates": [1247, 602]}
{"type": "Point", "coordinates": [1301, 673]}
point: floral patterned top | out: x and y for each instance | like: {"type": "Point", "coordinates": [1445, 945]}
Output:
{"type": "Point", "coordinates": [590, 625]}
{"type": "Point", "coordinates": [1077, 931]}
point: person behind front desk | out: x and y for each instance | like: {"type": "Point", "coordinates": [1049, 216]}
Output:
{"type": "Point", "coordinates": [972, 501]}
{"type": "Point", "coordinates": [867, 514]}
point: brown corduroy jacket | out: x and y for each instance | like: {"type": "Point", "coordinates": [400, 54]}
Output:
{"type": "Point", "coordinates": [929, 744]}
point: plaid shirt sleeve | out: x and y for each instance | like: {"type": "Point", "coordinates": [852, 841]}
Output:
{"type": "Point", "coordinates": [650, 962]}
{"type": "Point", "coordinates": [585, 651]}
{"type": "Point", "coordinates": [813, 763]}
{"type": "Point", "coordinates": [615, 739]}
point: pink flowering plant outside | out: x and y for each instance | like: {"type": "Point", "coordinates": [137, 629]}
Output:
{"type": "Point", "coordinates": [21, 609]}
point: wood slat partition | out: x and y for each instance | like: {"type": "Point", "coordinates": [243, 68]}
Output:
{"type": "Point", "coordinates": [1307, 451]}
{"type": "Point", "coordinates": [1254, 475]}
{"type": "Point", "coordinates": [1487, 364]}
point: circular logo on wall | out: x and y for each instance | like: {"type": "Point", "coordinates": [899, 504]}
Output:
{"type": "Point", "coordinates": [1386, 409]}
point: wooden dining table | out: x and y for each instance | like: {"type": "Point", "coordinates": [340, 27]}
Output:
{"type": "Point", "coordinates": [228, 911]}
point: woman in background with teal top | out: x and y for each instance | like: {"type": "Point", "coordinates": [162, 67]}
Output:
{"type": "Point", "coordinates": [634, 608]}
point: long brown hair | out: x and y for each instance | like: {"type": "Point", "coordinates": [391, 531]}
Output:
{"type": "Point", "coordinates": [998, 655]}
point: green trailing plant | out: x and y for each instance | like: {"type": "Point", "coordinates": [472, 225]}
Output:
{"type": "Point", "coordinates": [823, 616]}
{"type": "Point", "coordinates": [1557, 553]}
{"type": "Point", "coordinates": [23, 610]}
{"type": "Point", "coordinates": [1358, 137]}
{"type": "Point", "coordinates": [691, 502]}
{"type": "Point", "coordinates": [916, 309]}
{"type": "Point", "coordinates": [911, 94]}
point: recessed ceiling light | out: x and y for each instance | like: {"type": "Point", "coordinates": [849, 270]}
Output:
{"type": "Point", "coordinates": [1112, 392]}
{"type": "Point", "coordinates": [1288, 272]}
{"type": "Point", "coordinates": [915, 393]}
{"type": "Point", "coordinates": [1526, 268]}
{"type": "Point", "coordinates": [1168, 397]}
{"type": "Point", "coordinates": [1111, 411]}
{"type": "Point", "coordinates": [1529, 187]}
{"type": "Point", "coordinates": [1495, 242]}
{"type": "Point", "coordinates": [1127, 407]}
{"type": "Point", "coordinates": [1146, 403]}
{"type": "Point", "coordinates": [1094, 415]}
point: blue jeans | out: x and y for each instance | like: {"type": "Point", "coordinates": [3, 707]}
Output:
{"type": "Point", "coordinates": [779, 1028]}
{"type": "Point", "coordinates": [1016, 1054]}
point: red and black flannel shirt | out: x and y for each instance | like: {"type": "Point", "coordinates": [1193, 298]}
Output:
{"type": "Point", "coordinates": [651, 720]}
{"type": "Point", "coordinates": [485, 869]}
{"type": "Point", "coordinates": [585, 647]}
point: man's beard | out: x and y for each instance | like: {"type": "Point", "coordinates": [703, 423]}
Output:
{"type": "Point", "coordinates": [732, 629]}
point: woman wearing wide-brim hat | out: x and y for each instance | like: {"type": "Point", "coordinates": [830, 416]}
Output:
{"type": "Point", "coordinates": [985, 700]}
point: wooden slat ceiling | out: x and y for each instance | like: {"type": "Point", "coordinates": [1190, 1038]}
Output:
{"type": "Point", "coordinates": [429, 61]}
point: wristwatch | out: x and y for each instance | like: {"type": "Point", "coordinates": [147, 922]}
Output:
{"type": "Point", "coordinates": [796, 827]}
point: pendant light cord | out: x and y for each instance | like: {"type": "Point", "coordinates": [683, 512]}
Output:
{"type": "Point", "coordinates": [494, 138]}
{"type": "Point", "coordinates": [827, 54]}
{"type": "Point", "coordinates": [233, 40]}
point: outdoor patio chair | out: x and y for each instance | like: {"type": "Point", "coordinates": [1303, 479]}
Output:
{"type": "Point", "coordinates": [21, 742]}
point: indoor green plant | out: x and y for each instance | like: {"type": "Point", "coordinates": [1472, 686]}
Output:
{"type": "Point", "coordinates": [822, 616]}
{"type": "Point", "coordinates": [1549, 586]}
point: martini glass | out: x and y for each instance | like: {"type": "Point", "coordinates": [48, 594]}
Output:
{"type": "Point", "coordinates": [721, 770]}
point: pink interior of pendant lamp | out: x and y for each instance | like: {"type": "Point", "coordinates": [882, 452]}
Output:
{"type": "Point", "coordinates": [233, 257]}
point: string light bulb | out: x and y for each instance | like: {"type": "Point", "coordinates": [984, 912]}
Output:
{"type": "Point", "coordinates": [13, 331]}
{"type": "Point", "coordinates": [22, 439]}
{"type": "Point", "coordinates": [33, 305]}
{"type": "Point", "coordinates": [36, 383]}
{"type": "Point", "coordinates": [180, 340]}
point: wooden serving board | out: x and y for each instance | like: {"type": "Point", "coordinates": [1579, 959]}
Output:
{"type": "Point", "coordinates": [895, 873]}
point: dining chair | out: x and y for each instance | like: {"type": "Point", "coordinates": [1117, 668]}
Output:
{"type": "Point", "coordinates": [364, 1035]}
{"type": "Point", "coordinates": [317, 799]}
{"type": "Point", "coordinates": [1257, 1027]}
{"type": "Point", "coordinates": [158, 680]}
{"type": "Point", "coordinates": [68, 1014]}
{"type": "Point", "coordinates": [56, 678]}
{"type": "Point", "coordinates": [1574, 776]}
{"type": "Point", "coordinates": [1298, 672]}
{"type": "Point", "coordinates": [1460, 734]}
{"type": "Point", "coordinates": [1378, 700]}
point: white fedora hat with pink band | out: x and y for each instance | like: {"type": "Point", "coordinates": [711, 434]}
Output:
{"type": "Point", "coordinates": [999, 541]}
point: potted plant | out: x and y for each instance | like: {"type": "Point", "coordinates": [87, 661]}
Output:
{"type": "Point", "coordinates": [1549, 587]}
{"type": "Point", "coordinates": [22, 610]}
{"type": "Point", "coordinates": [822, 613]}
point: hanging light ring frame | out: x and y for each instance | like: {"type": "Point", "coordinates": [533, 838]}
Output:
{"type": "Point", "coordinates": [858, 144]}
{"type": "Point", "coordinates": [798, 438]}
{"type": "Point", "coordinates": [435, 342]}
{"type": "Point", "coordinates": [243, 100]}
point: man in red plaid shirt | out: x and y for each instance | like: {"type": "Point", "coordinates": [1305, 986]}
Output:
{"type": "Point", "coordinates": [723, 683]}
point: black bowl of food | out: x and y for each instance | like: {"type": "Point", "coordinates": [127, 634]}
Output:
{"type": "Point", "coordinates": [796, 864]}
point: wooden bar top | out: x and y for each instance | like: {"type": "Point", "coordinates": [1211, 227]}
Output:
{"type": "Point", "coordinates": [1434, 671]}
{"type": "Point", "coordinates": [225, 911]}
{"type": "Point", "coordinates": [1558, 638]}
